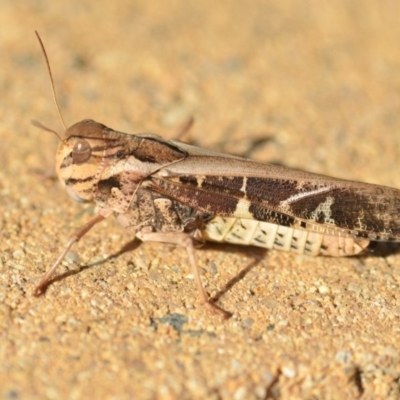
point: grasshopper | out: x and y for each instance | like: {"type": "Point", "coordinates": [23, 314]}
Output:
{"type": "Point", "coordinates": [172, 192]}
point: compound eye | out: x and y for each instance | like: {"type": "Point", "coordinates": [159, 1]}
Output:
{"type": "Point", "coordinates": [81, 151]}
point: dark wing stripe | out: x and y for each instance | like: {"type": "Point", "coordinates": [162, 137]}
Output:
{"type": "Point", "coordinates": [366, 210]}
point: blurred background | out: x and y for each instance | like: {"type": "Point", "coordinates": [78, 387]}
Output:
{"type": "Point", "coordinates": [311, 85]}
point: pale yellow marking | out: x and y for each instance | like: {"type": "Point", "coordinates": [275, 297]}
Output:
{"type": "Point", "coordinates": [218, 228]}
{"type": "Point", "coordinates": [242, 210]}
{"type": "Point", "coordinates": [272, 236]}
{"type": "Point", "coordinates": [243, 188]}
{"type": "Point", "coordinates": [324, 208]}
{"type": "Point", "coordinates": [241, 232]}
{"type": "Point", "coordinates": [283, 238]}
{"type": "Point", "coordinates": [302, 195]}
{"type": "Point", "coordinates": [265, 235]}
{"type": "Point", "coordinates": [313, 243]}
{"type": "Point", "coordinates": [299, 239]}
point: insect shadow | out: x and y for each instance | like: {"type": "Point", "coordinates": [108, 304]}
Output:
{"type": "Point", "coordinates": [257, 253]}
{"type": "Point", "coordinates": [375, 250]}
{"type": "Point", "coordinates": [381, 249]}
{"type": "Point", "coordinates": [130, 246]}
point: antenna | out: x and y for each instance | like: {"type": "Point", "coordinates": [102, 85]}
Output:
{"type": "Point", "coordinates": [52, 83]}
{"type": "Point", "coordinates": [45, 128]}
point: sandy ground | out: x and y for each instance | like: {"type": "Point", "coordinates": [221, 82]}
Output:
{"type": "Point", "coordinates": [312, 85]}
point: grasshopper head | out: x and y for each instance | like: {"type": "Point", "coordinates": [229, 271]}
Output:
{"type": "Point", "coordinates": [81, 158]}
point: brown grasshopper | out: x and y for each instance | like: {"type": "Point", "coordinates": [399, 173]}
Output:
{"type": "Point", "coordinates": [171, 192]}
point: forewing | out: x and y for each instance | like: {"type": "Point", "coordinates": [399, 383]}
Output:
{"type": "Point", "coordinates": [222, 185]}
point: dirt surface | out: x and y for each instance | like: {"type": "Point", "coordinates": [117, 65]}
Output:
{"type": "Point", "coordinates": [312, 85]}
